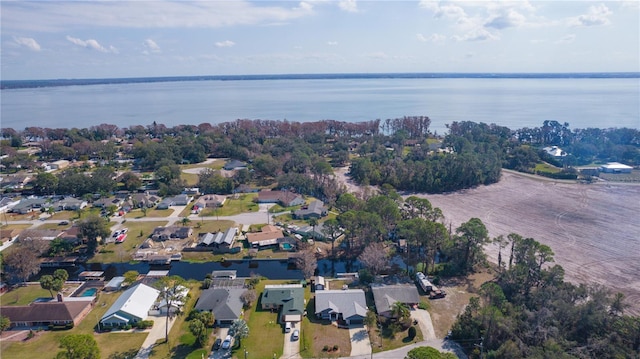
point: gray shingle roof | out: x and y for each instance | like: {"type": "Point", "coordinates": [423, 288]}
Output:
{"type": "Point", "coordinates": [385, 295]}
{"type": "Point", "coordinates": [225, 303]}
{"type": "Point", "coordinates": [349, 302]}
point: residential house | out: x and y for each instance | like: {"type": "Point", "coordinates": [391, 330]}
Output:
{"type": "Point", "coordinates": [179, 200]}
{"type": "Point", "coordinates": [57, 312]}
{"type": "Point", "coordinates": [176, 304]}
{"type": "Point", "coordinates": [165, 203]}
{"type": "Point", "coordinates": [555, 152]}
{"type": "Point", "coordinates": [69, 204]}
{"type": "Point", "coordinates": [71, 235]}
{"type": "Point", "coordinates": [131, 307]}
{"type": "Point", "coordinates": [106, 202]}
{"type": "Point", "coordinates": [27, 205]}
{"type": "Point", "coordinates": [315, 209]}
{"type": "Point", "coordinates": [171, 232]}
{"type": "Point", "coordinates": [224, 274]}
{"type": "Point", "coordinates": [59, 164]}
{"type": "Point", "coordinates": [219, 239]}
{"type": "Point", "coordinates": [224, 303]}
{"type": "Point", "coordinates": [385, 296]}
{"type": "Point", "coordinates": [244, 188]}
{"type": "Point", "coordinates": [287, 298]}
{"type": "Point", "coordinates": [615, 167]}
{"type": "Point", "coordinates": [284, 198]}
{"type": "Point", "coordinates": [234, 165]}
{"type": "Point", "coordinates": [114, 284]}
{"type": "Point", "coordinates": [144, 200]}
{"type": "Point", "coordinates": [266, 237]}
{"type": "Point", "coordinates": [317, 232]}
{"type": "Point", "coordinates": [42, 234]}
{"type": "Point", "coordinates": [348, 305]}
{"type": "Point", "coordinates": [208, 201]}
{"type": "Point", "coordinates": [17, 181]}
{"type": "Point", "coordinates": [5, 202]}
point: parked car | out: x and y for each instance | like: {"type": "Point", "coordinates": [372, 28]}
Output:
{"type": "Point", "coordinates": [287, 327]}
{"type": "Point", "coordinates": [438, 293]}
{"type": "Point", "coordinates": [217, 343]}
{"type": "Point", "coordinates": [295, 335]}
{"type": "Point", "coordinates": [226, 344]}
{"type": "Point", "coordinates": [63, 223]}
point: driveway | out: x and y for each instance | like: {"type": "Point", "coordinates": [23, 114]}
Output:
{"type": "Point", "coordinates": [156, 333]}
{"type": "Point", "coordinates": [424, 321]}
{"type": "Point", "coordinates": [291, 348]}
{"type": "Point", "coordinates": [221, 332]}
{"type": "Point", "coordinates": [360, 343]}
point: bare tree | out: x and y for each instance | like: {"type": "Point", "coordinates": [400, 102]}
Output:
{"type": "Point", "coordinates": [22, 264]}
{"type": "Point", "coordinates": [306, 261]}
{"type": "Point", "coordinates": [375, 257]}
{"type": "Point", "coordinates": [248, 297]}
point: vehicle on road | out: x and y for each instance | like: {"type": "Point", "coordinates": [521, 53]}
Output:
{"type": "Point", "coordinates": [295, 335]}
{"type": "Point", "coordinates": [226, 344]}
{"type": "Point", "coordinates": [217, 343]}
{"type": "Point", "coordinates": [63, 223]}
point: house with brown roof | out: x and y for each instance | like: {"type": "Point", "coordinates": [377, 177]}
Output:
{"type": "Point", "coordinates": [208, 201]}
{"type": "Point", "coordinates": [60, 312]}
{"type": "Point", "coordinates": [266, 237]}
{"type": "Point", "coordinates": [284, 198]}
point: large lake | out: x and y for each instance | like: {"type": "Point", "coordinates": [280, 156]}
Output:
{"type": "Point", "coordinates": [511, 102]}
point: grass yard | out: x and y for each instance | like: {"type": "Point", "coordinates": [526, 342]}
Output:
{"type": "Point", "coordinates": [210, 226]}
{"type": "Point", "coordinates": [191, 179]}
{"type": "Point", "coordinates": [62, 215]}
{"type": "Point", "coordinates": [122, 252]}
{"type": "Point", "coordinates": [152, 213]}
{"type": "Point", "coordinates": [15, 226]}
{"type": "Point", "coordinates": [232, 206]}
{"type": "Point", "coordinates": [24, 295]}
{"type": "Point", "coordinates": [545, 167]}
{"type": "Point", "coordinates": [112, 345]}
{"type": "Point", "coordinates": [316, 334]}
{"type": "Point", "coordinates": [181, 342]}
{"type": "Point", "coordinates": [54, 226]}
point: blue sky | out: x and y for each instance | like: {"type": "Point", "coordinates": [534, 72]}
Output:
{"type": "Point", "coordinates": [93, 39]}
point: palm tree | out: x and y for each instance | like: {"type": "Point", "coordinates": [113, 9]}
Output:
{"type": "Point", "coordinates": [313, 222]}
{"type": "Point", "coordinates": [185, 221]}
{"type": "Point", "coordinates": [400, 311]}
{"type": "Point", "coordinates": [172, 293]}
{"type": "Point", "coordinates": [239, 330]}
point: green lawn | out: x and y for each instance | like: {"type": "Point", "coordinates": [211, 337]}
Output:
{"type": "Point", "coordinates": [112, 345]}
{"type": "Point", "coordinates": [545, 167]}
{"type": "Point", "coordinates": [24, 295]}
{"type": "Point", "coordinates": [122, 252]}
{"type": "Point", "coordinates": [233, 206]}
{"type": "Point", "coordinates": [210, 226]}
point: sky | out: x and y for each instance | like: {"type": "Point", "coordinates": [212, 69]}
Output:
{"type": "Point", "coordinates": [110, 39]}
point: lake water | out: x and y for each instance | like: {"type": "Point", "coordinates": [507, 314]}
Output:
{"type": "Point", "coordinates": [511, 102]}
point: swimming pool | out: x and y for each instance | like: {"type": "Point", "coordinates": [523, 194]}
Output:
{"type": "Point", "coordinates": [287, 246]}
{"type": "Point", "coordinates": [89, 292]}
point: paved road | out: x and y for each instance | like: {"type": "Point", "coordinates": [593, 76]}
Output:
{"type": "Point", "coordinates": [442, 345]}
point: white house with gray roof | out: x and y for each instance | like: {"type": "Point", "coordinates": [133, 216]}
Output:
{"type": "Point", "coordinates": [131, 307]}
{"type": "Point", "coordinates": [224, 303]}
{"type": "Point", "coordinates": [349, 305]}
{"type": "Point", "coordinates": [385, 296]}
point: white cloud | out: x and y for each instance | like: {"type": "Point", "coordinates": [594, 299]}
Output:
{"type": "Point", "coordinates": [66, 15]}
{"type": "Point", "coordinates": [91, 44]}
{"type": "Point", "coordinates": [378, 56]}
{"type": "Point", "coordinates": [332, 43]}
{"type": "Point", "coordinates": [431, 38]}
{"type": "Point", "coordinates": [151, 46]}
{"type": "Point", "coordinates": [225, 43]}
{"type": "Point", "coordinates": [567, 39]}
{"type": "Point", "coordinates": [28, 42]}
{"type": "Point", "coordinates": [348, 5]}
{"type": "Point", "coordinates": [595, 16]}
{"type": "Point", "coordinates": [512, 18]}
{"type": "Point", "coordinates": [477, 34]}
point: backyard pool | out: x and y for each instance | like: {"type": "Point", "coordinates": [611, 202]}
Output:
{"type": "Point", "coordinates": [287, 246]}
{"type": "Point", "coordinates": [89, 292]}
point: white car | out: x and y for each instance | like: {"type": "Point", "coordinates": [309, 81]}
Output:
{"type": "Point", "coordinates": [226, 343]}
{"type": "Point", "coordinates": [295, 335]}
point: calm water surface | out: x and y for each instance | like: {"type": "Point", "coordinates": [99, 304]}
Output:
{"type": "Point", "coordinates": [515, 103]}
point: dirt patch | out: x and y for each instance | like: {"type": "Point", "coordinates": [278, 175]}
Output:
{"type": "Point", "coordinates": [592, 229]}
{"type": "Point", "coordinates": [444, 311]}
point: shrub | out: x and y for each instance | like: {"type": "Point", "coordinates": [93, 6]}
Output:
{"type": "Point", "coordinates": [412, 332]}
{"type": "Point", "coordinates": [144, 324]}
{"type": "Point", "coordinates": [336, 347]}
{"type": "Point", "coordinates": [325, 348]}
{"type": "Point", "coordinates": [423, 305]}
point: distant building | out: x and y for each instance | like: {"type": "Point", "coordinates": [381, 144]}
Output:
{"type": "Point", "coordinates": [555, 151]}
{"type": "Point", "coordinates": [315, 209]}
{"type": "Point", "coordinates": [615, 167]}
{"type": "Point", "coordinates": [284, 198]}
{"type": "Point", "coordinates": [234, 165]}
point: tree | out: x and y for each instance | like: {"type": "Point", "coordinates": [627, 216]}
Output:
{"type": "Point", "coordinates": [130, 276]}
{"type": "Point", "coordinates": [400, 311]}
{"type": "Point", "coordinates": [130, 181]}
{"type": "Point", "coordinates": [5, 323]}
{"type": "Point", "coordinates": [185, 221]}
{"type": "Point", "coordinates": [45, 183]}
{"type": "Point", "coordinates": [207, 318]}
{"type": "Point", "coordinates": [78, 346]}
{"type": "Point", "coordinates": [248, 297]}
{"type": "Point", "coordinates": [375, 257]}
{"type": "Point", "coordinates": [92, 228]}
{"type": "Point", "coordinates": [21, 264]}
{"type": "Point", "coordinates": [332, 229]}
{"type": "Point", "coordinates": [306, 261]}
{"type": "Point", "coordinates": [199, 330]}
{"type": "Point", "coordinates": [61, 274]}
{"type": "Point", "coordinates": [47, 282]}
{"type": "Point", "coordinates": [428, 353]}
{"type": "Point", "coordinates": [171, 292]}
{"type": "Point", "coordinates": [474, 235]}
{"type": "Point", "coordinates": [239, 330]}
